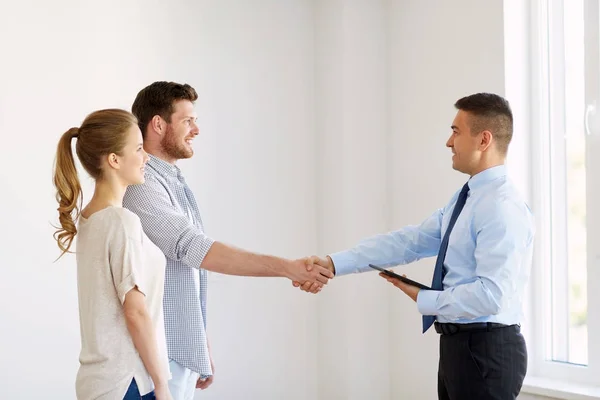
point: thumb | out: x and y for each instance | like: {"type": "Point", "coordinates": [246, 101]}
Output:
{"type": "Point", "coordinates": [309, 263]}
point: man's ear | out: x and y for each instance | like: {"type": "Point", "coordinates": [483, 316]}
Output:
{"type": "Point", "coordinates": [486, 140]}
{"type": "Point", "coordinates": [158, 124]}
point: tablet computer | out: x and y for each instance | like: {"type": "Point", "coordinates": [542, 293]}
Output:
{"type": "Point", "coordinates": [400, 277]}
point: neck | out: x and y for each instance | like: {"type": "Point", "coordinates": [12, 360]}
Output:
{"type": "Point", "coordinates": [108, 193]}
{"type": "Point", "coordinates": [487, 163]}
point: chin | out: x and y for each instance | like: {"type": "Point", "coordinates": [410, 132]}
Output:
{"type": "Point", "coordinates": [189, 152]}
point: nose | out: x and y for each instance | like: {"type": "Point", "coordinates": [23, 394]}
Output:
{"type": "Point", "coordinates": [450, 141]}
{"type": "Point", "coordinates": [195, 129]}
{"type": "Point", "coordinates": [146, 158]}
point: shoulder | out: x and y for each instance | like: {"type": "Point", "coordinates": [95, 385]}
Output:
{"type": "Point", "coordinates": [503, 206]}
{"type": "Point", "coordinates": [153, 184]}
{"type": "Point", "coordinates": [126, 223]}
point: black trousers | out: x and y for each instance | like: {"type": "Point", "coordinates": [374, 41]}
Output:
{"type": "Point", "coordinates": [482, 364]}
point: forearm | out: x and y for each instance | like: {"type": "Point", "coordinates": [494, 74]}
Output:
{"type": "Point", "coordinates": [230, 260]}
{"type": "Point", "coordinates": [142, 333]}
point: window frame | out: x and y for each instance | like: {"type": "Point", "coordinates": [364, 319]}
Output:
{"type": "Point", "coordinates": [547, 112]}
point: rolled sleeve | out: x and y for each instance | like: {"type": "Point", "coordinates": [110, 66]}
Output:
{"type": "Point", "coordinates": [126, 285]}
{"type": "Point", "coordinates": [197, 250]}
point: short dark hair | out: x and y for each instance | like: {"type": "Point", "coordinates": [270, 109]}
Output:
{"type": "Point", "coordinates": [491, 112]}
{"type": "Point", "coordinates": [158, 99]}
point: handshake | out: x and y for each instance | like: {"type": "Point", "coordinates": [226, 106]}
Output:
{"type": "Point", "coordinates": [311, 273]}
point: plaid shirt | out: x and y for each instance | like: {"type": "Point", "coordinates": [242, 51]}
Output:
{"type": "Point", "coordinates": [171, 219]}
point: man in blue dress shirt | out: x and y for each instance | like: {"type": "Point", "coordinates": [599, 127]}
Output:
{"type": "Point", "coordinates": [483, 241]}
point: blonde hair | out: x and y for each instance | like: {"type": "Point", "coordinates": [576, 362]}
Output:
{"type": "Point", "coordinates": [102, 132]}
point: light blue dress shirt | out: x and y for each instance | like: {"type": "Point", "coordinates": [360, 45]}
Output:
{"type": "Point", "coordinates": [488, 259]}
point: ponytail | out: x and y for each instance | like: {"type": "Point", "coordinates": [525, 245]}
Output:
{"type": "Point", "coordinates": [68, 191]}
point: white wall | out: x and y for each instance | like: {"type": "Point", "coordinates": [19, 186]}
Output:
{"type": "Point", "coordinates": [322, 121]}
{"type": "Point", "coordinates": [351, 104]}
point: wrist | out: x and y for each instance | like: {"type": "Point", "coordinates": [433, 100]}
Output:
{"type": "Point", "coordinates": [330, 265]}
{"type": "Point", "coordinates": [288, 269]}
{"type": "Point", "coordinates": [161, 383]}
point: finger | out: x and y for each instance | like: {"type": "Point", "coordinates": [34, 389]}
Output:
{"type": "Point", "coordinates": [295, 283]}
{"type": "Point", "coordinates": [200, 382]}
{"type": "Point", "coordinates": [315, 288]}
{"type": "Point", "coordinates": [315, 260]}
{"type": "Point", "coordinates": [390, 278]}
{"type": "Point", "coordinates": [208, 382]}
{"type": "Point", "coordinates": [322, 279]}
{"type": "Point", "coordinates": [325, 272]}
{"type": "Point", "coordinates": [306, 286]}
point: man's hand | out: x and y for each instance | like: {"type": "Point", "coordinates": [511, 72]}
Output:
{"type": "Point", "coordinates": [410, 290]}
{"type": "Point", "coordinates": [325, 262]}
{"type": "Point", "coordinates": [205, 383]}
{"type": "Point", "coordinates": [311, 273]}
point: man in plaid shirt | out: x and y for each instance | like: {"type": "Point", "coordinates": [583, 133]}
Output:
{"type": "Point", "coordinates": [171, 219]}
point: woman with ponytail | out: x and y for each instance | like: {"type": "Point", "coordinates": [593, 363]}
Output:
{"type": "Point", "coordinates": [120, 272]}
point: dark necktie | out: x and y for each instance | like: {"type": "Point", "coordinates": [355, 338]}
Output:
{"type": "Point", "coordinates": [438, 272]}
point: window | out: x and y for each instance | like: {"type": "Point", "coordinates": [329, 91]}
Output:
{"type": "Point", "coordinates": [566, 188]}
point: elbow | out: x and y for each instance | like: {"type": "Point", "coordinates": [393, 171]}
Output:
{"type": "Point", "coordinates": [494, 299]}
{"type": "Point", "coordinates": [493, 307]}
{"type": "Point", "coordinates": [492, 303]}
{"type": "Point", "coordinates": [135, 315]}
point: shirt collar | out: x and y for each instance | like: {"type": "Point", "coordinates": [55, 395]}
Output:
{"type": "Point", "coordinates": [163, 168]}
{"type": "Point", "coordinates": [486, 176]}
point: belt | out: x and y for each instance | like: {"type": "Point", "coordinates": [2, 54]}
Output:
{"type": "Point", "coordinates": [451, 329]}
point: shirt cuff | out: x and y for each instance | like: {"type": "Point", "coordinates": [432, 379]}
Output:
{"type": "Point", "coordinates": [197, 250]}
{"type": "Point", "coordinates": [344, 263]}
{"type": "Point", "coordinates": [427, 301]}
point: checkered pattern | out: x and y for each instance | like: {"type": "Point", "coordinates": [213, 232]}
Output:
{"type": "Point", "coordinates": [171, 219]}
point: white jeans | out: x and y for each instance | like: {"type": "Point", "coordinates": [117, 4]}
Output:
{"type": "Point", "coordinates": [183, 381]}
